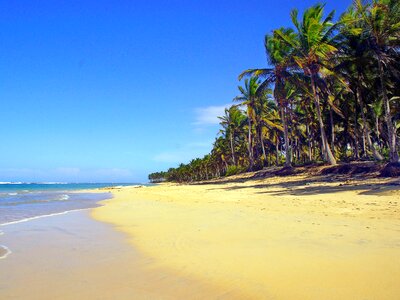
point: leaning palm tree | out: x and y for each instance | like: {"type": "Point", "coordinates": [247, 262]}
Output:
{"type": "Point", "coordinates": [355, 61]}
{"type": "Point", "coordinates": [262, 101]}
{"type": "Point", "coordinates": [313, 46]}
{"type": "Point", "coordinates": [221, 151]}
{"type": "Point", "coordinates": [231, 123]}
{"type": "Point", "coordinates": [271, 127]}
{"type": "Point", "coordinates": [248, 98]}
{"type": "Point", "coordinates": [278, 54]}
{"type": "Point", "coordinates": [381, 27]}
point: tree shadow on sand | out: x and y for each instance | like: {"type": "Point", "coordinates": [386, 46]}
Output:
{"type": "Point", "coordinates": [318, 185]}
{"type": "Point", "coordinates": [315, 180]}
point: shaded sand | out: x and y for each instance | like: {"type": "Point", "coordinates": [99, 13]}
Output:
{"type": "Point", "coordinates": [72, 256]}
{"type": "Point", "coordinates": [264, 239]}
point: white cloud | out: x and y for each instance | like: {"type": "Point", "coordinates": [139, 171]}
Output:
{"type": "Point", "coordinates": [209, 115]}
{"type": "Point", "coordinates": [205, 118]}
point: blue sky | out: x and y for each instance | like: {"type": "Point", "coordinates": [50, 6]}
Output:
{"type": "Point", "coordinates": [112, 90]}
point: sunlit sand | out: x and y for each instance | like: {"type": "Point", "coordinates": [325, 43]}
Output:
{"type": "Point", "coordinates": [73, 257]}
{"type": "Point", "coordinates": [277, 238]}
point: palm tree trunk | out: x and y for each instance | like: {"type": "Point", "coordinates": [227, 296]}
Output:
{"type": "Point", "coordinates": [377, 132]}
{"type": "Point", "coordinates": [356, 150]}
{"type": "Point", "coordinates": [288, 161]}
{"type": "Point", "coordinates": [232, 149]}
{"type": "Point", "coordinates": [328, 156]}
{"type": "Point", "coordinates": [393, 155]}
{"type": "Point", "coordinates": [366, 130]}
{"type": "Point", "coordinates": [299, 149]}
{"type": "Point", "coordinates": [250, 146]}
{"type": "Point", "coordinates": [332, 130]}
{"type": "Point", "coordinates": [262, 145]}
{"type": "Point", "coordinates": [277, 150]}
{"type": "Point", "coordinates": [309, 141]}
{"type": "Point", "coordinates": [357, 96]}
{"type": "Point", "coordinates": [364, 148]}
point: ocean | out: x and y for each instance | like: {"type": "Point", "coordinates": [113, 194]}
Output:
{"type": "Point", "coordinates": [20, 202]}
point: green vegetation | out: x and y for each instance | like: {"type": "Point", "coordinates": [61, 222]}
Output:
{"type": "Point", "coordinates": [331, 93]}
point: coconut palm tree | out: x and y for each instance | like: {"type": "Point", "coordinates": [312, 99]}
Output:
{"type": "Point", "coordinates": [313, 46]}
{"type": "Point", "coordinates": [356, 62]}
{"type": "Point", "coordinates": [278, 53]}
{"type": "Point", "coordinates": [248, 98]}
{"type": "Point", "coordinates": [381, 28]}
{"type": "Point", "coordinates": [232, 123]}
{"type": "Point", "coordinates": [342, 77]}
{"type": "Point", "coordinates": [271, 127]}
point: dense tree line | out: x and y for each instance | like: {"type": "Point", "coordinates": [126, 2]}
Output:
{"type": "Point", "coordinates": [330, 93]}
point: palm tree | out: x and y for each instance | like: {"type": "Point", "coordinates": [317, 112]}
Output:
{"type": "Point", "coordinates": [278, 53]}
{"type": "Point", "coordinates": [340, 77]}
{"type": "Point", "coordinates": [262, 107]}
{"type": "Point", "coordinates": [220, 150]}
{"type": "Point", "coordinates": [356, 61]}
{"type": "Point", "coordinates": [231, 123]}
{"type": "Point", "coordinates": [271, 127]}
{"type": "Point", "coordinates": [248, 98]}
{"type": "Point", "coordinates": [381, 27]}
{"type": "Point", "coordinates": [313, 46]}
{"type": "Point", "coordinates": [377, 109]}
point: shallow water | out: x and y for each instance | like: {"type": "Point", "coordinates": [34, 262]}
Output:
{"type": "Point", "coordinates": [21, 202]}
{"type": "Point", "coordinates": [24, 207]}
{"type": "Point", "coordinates": [72, 256]}
{"type": "Point", "coordinates": [4, 251]}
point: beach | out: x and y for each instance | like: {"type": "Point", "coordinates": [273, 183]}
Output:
{"type": "Point", "coordinates": [50, 248]}
{"type": "Point", "coordinates": [293, 237]}
{"type": "Point", "coordinates": [72, 256]}
{"type": "Point", "coordinates": [263, 163]}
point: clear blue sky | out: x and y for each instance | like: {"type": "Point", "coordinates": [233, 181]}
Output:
{"type": "Point", "coordinates": [112, 90]}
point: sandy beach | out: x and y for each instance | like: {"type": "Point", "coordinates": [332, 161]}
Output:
{"type": "Point", "coordinates": [200, 150]}
{"type": "Point", "coordinates": [295, 237]}
{"type": "Point", "coordinates": [72, 256]}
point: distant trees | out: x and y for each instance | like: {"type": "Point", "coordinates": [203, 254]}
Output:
{"type": "Point", "coordinates": [157, 177]}
{"type": "Point", "coordinates": [331, 92]}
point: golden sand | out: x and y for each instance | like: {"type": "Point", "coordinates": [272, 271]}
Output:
{"type": "Point", "coordinates": [269, 240]}
{"type": "Point", "coordinates": [73, 257]}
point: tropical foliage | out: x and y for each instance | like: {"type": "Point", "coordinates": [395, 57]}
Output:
{"type": "Point", "coordinates": [330, 93]}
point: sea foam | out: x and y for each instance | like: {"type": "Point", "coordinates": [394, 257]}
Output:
{"type": "Point", "coordinates": [4, 252]}
{"type": "Point", "coordinates": [41, 216]}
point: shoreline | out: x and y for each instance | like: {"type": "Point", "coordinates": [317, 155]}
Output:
{"type": "Point", "coordinates": [45, 216]}
{"type": "Point", "coordinates": [4, 252]}
{"type": "Point", "coordinates": [324, 238]}
{"type": "Point", "coordinates": [24, 206]}
{"type": "Point", "coordinates": [73, 256]}
{"type": "Point", "coordinates": [239, 239]}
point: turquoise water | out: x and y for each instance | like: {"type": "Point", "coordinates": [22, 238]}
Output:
{"type": "Point", "coordinates": [25, 201]}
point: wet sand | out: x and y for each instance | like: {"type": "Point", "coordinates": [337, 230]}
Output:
{"type": "Point", "coordinates": [72, 256]}
{"type": "Point", "coordinates": [3, 252]}
{"type": "Point", "coordinates": [275, 238]}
